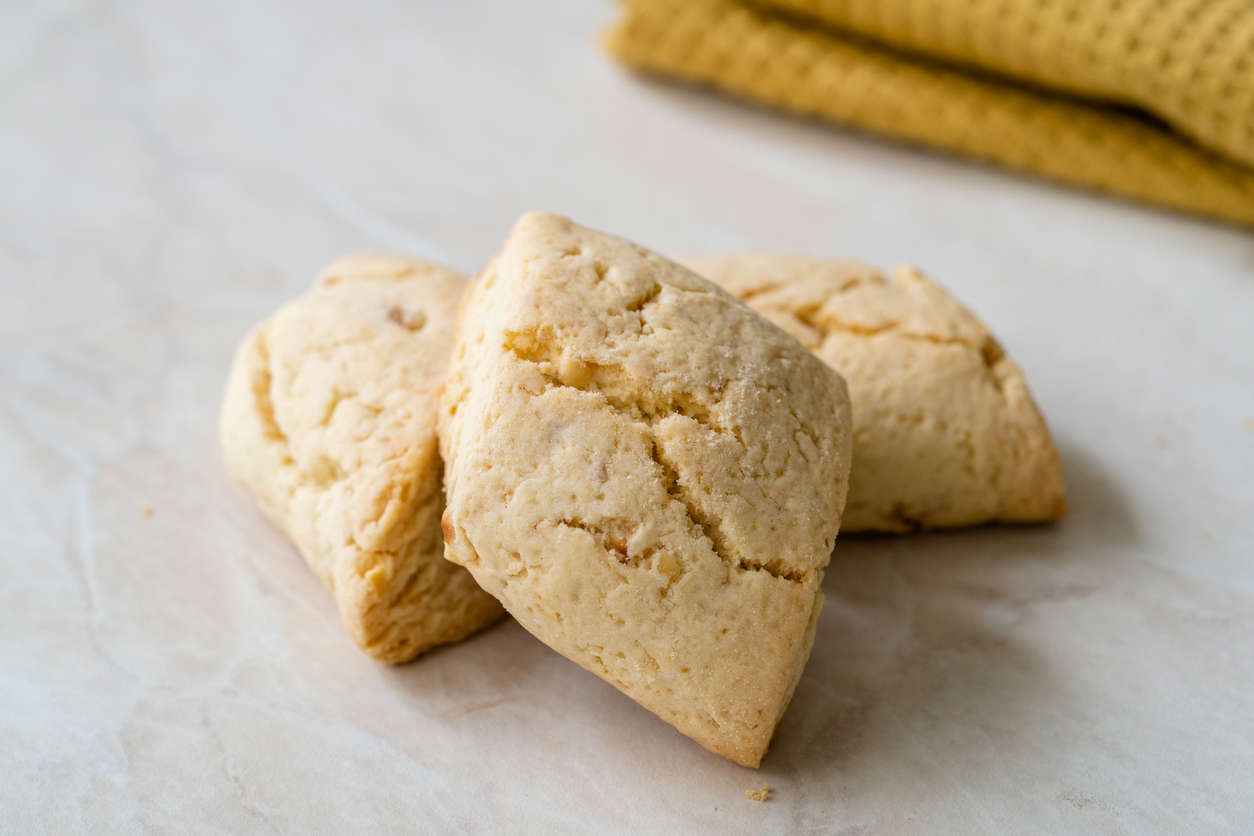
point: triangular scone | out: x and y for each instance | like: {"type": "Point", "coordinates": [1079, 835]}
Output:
{"type": "Point", "coordinates": [647, 474]}
{"type": "Point", "coordinates": [945, 431]}
{"type": "Point", "coordinates": [329, 421]}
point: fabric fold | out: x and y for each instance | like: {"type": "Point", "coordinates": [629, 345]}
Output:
{"type": "Point", "coordinates": [804, 65]}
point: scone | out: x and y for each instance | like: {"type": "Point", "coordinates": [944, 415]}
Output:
{"type": "Point", "coordinates": [647, 474]}
{"type": "Point", "coordinates": [945, 430]}
{"type": "Point", "coordinates": [329, 421]}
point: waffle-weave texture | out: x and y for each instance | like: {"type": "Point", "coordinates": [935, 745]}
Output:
{"type": "Point", "coordinates": [943, 93]}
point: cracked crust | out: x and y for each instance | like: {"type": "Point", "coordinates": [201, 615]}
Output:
{"type": "Point", "coordinates": [945, 431]}
{"type": "Point", "coordinates": [647, 474]}
{"type": "Point", "coordinates": [329, 422]}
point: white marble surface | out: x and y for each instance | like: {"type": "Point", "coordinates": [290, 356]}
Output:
{"type": "Point", "coordinates": [172, 171]}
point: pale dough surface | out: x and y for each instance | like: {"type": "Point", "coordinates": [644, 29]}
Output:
{"type": "Point", "coordinates": [329, 421]}
{"type": "Point", "coordinates": [946, 433]}
{"type": "Point", "coordinates": [647, 474]}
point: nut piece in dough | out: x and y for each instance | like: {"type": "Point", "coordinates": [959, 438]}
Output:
{"type": "Point", "coordinates": [329, 421]}
{"type": "Point", "coordinates": [647, 474]}
{"type": "Point", "coordinates": [945, 431]}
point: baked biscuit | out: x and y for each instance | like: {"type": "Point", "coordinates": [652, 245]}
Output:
{"type": "Point", "coordinates": [647, 474]}
{"type": "Point", "coordinates": [945, 430]}
{"type": "Point", "coordinates": [329, 421]}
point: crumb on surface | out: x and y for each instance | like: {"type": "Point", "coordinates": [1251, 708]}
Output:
{"type": "Point", "coordinates": [1248, 423]}
{"type": "Point", "coordinates": [1160, 442]}
{"type": "Point", "coordinates": [759, 795]}
{"type": "Point", "coordinates": [1206, 535]}
{"type": "Point", "coordinates": [147, 511]}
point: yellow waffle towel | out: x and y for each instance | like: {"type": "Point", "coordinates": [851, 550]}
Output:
{"type": "Point", "coordinates": [1149, 99]}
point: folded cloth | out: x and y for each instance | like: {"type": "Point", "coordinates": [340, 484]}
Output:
{"type": "Point", "coordinates": [1148, 99]}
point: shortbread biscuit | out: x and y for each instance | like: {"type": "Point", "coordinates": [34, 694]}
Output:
{"type": "Point", "coordinates": [945, 431]}
{"type": "Point", "coordinates": [329, 421]}
{"type": "Point", "coordinates": [647, 474]}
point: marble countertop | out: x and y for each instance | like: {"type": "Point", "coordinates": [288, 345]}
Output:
{"type": "Point", "coordinates": [172, 172]}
